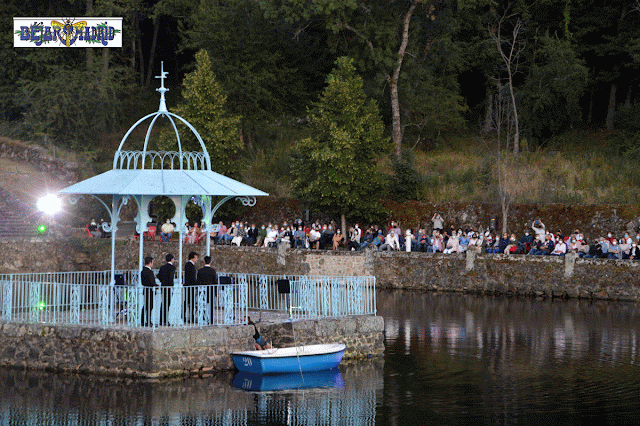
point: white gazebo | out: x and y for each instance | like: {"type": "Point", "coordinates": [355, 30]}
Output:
{"type": "Point", "coordinates": [180, 175]}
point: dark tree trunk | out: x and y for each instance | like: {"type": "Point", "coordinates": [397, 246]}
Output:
{"type": "Point", "coordinates": [396, 129]}
{"type": "Point", "coordinates": [627, 101]}
{"type": "Point", "coordinates": [152, 54]}
{"type": "Point", "coordinates": [611, 112]}
{"type": "Point", "coordinates": [488, 114]}
{"type": "Point", "coordinates": [89, 49]}
{"type": "Point", "coordinates": [141, 61]}
{"type": "Point", "coordinates": [105, 66]}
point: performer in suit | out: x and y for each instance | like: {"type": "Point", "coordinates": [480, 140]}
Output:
{"type": "Point", "coordinates": [189, 284]}
{"type": "Point", "coordinates": [166, 276]}
{"type": "Point", "coordinates": [208, 276]}
{"type": "Point", "coordinates": [148, 281]}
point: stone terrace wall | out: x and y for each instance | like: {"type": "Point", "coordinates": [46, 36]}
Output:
{"type": "Point", "coordinates": [547, 276]}
{"type": "Point", "coordinates": [499, 274]}
{"type": "Point", "coordinates": [170, 352]}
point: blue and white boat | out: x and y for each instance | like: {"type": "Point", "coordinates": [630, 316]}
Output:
{"type": "Point", "coordinates": [290, 360]}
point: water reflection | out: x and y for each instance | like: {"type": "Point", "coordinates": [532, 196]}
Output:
{"type": "Point", "coordinates": [507, 360]}
{"type": "Point", "coordinates": [449, 359]}
{"type": "Point", "coordinates": [292, 381]}
{"type": "Point", "coordinates": [36, 398]}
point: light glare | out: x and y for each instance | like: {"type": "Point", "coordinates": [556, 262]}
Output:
{"type": "Point", "coordinates": [49, 204]}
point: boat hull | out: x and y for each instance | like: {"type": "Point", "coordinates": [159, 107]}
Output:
{"type": "Point", "coordinates": [290, 360]}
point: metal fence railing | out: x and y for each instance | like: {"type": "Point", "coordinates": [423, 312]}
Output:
{"type": "Point", "coordinates": [87, 298]}
{"type": "Point", "coordinates": [310, 296]}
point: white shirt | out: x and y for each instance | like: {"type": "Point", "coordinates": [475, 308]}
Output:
{"type": "Point", "coordinates": [392, 240]}
{"type": "Point", "coordinates": [560, 248]}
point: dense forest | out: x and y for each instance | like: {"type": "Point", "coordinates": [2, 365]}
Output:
{"type": "Point", "coordinates": [515, 76]}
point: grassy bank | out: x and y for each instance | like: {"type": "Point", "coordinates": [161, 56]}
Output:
{"type": "Point", "coordinates": [580, 168]}
{"type": "Point", "coordinates": [583, 167]}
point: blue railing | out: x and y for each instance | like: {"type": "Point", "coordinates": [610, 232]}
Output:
{"type": "Point", "coordinates": [87, 298]}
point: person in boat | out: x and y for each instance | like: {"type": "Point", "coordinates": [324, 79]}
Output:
{"type": "Point", "coordinates": [260, 342]}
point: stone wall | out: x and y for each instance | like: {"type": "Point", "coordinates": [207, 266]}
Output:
{"type": "Point", "coordinates": [547, 276]}
{"type": "Point", "coordinates": [481, 273]}
{"type": "Point", "coordinates": [171, 352]}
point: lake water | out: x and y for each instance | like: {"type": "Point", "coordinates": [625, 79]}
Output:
{"type": "Point", "coordinates": [449, 359]}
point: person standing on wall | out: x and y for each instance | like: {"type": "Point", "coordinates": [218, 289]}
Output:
{"type": "Point", "coordinates": [166, 275]}
{"type": "Point", "coordinates": [190, 283]}
{"type": "Point", "coordinates": [207, 276]}
{"type": "Point", "coordinates": [148, 282]}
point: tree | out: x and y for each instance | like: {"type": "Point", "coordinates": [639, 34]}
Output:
{"type": "Point", "coordinates": [204, 107]}
{"type": "Point", "coordinates": [407, 180]}
{"type": "Point", "coordinates": [267, 69]}
{"type": "Point", "coordinates": [550, 95]}
{"type": "Point", "coordinates": [381, 34]}
{"type": "Point", "coordinates": [63, 109]}
{"type": "Point", "coordinates": [513, 180]}
{"type": "Point", "coordinates": [605, 37]}
{"type": "Point", "coordinates": [509, 48]}
{"type": "Point", "coordinates": [335, 168]}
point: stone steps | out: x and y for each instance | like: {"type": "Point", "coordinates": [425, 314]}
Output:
{"type": "Point", "coordinates": [17, 219]}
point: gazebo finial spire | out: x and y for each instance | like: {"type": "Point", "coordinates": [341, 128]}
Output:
{"type": "Point", "coordinates": [162, 89]}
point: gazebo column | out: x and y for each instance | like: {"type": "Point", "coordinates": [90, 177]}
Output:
{"type": "Point", "coordinates": [117, 201]}
{"type": "Point", "coordinates": [205, 204]}
{"type": "Point", "coordinates": [113, 227]}
{"type": "Point", "coordinates": [142, 219]}
{"type": "Point", "coordinates": [180, 219]}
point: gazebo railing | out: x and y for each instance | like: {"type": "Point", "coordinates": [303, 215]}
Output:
{"type": "Point", "coordinates": [87, 298]}
{"type": "Point", "coordinates": [167, 160]}
{"type": "Point", "coordinates": [74, 299]}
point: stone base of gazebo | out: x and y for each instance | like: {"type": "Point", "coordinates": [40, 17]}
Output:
{"type": "Point", "coordinates": [165, 352]}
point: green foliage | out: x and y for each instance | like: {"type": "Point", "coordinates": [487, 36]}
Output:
{"type": "Point", "coordinates": [267, 68]}
{"type": "Point", "coordinates": [73, 106]}
{"type": "Point", "coordinates": [334, 170]}
{"type": "Point", "coordinates": [430, 94]}
{"type": "Point", "coordinates": [626, 142]}
{"type": "Point", "coordinates": [550, 97]}
{"type": "Point", "coordinates": [204, 107]}
{"type": "Point", "coordinates": [627, 119]}
{"type": "Point", "coordinates": [370, 31]}
{"type": "Point", "coordinates": [406, 181]}
{"type": "Point", "coordinates": [163, 208]}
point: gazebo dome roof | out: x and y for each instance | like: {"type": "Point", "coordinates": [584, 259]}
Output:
{"type": "Point", "coordinates": [144, 172]}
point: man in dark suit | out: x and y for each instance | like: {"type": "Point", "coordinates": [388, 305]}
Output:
{"type": "Point", "coordinates": [148, 282]}
{"type": "Point", "coordinates": [252, 234]}
{"type": "Point", "coordinates": [207, 276]}
{"type": "Point", "coordinates": [166, 275]}
{"type": "Point", "coordinates": [190, 282]}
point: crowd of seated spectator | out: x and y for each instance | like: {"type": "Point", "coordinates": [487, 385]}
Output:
{"type": "Point", "coordinates": [537, 241]}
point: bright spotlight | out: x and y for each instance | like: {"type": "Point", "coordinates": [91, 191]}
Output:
{"type": "Point", "coordinates": [49, 204]}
